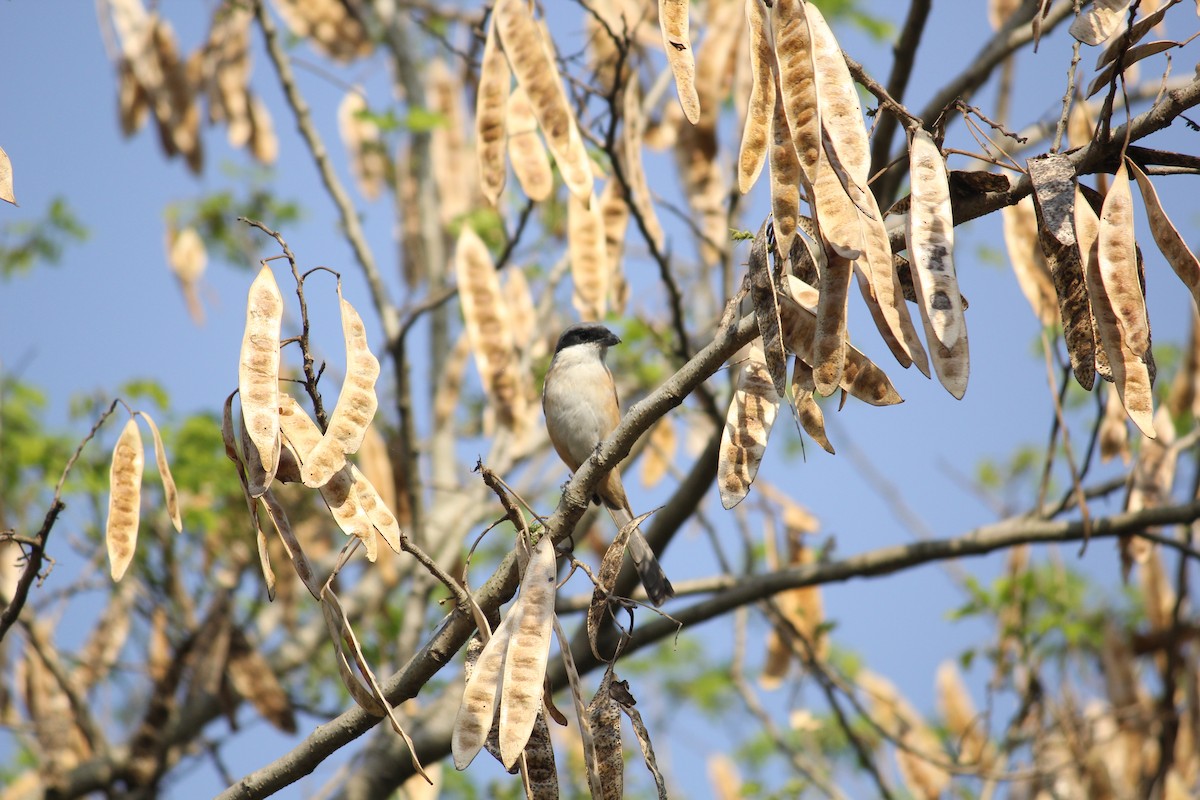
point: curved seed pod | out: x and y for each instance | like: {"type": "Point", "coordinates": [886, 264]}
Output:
{"type": "Point", "coordinates": [491, 100]}
{"type": "Point", "coordinates": [589, 267]}
{"type": "Point", "coordinates": [755, 135]}
{"type": "Point", "coordinates": [1167, 236]}
{"type": "Point", "coordinates": [539, 761]}
{"type": "Point", "coordinates": [830, 336]}
{"type": "Point", "coordinates": [376, 509]}
{"type": "Point", "coordinates": [1131, 57]}
{"type": "Point", "coordinates": [170, 493]}
{"type": "Point", "coordinates": [361, 136]}
{"type": "Point", "coordinates": [812, 419]}
{"type": "Point", "coordinates": [528, 652]}
{"type": "Point", "coordinates": [124, 499]}
{"type": "Point", "coordinates": [449, 149]}
{"type": "Point", "coordinates": [258, 371]}
{"type": "Point", "coordinates": [488, 328]}
{"type": "Point", "coordinates": [674, 24]}
{"type": "Point", "coordinates": [841, 112]}
{"type": "Point", "coordinates": [264, 144]}
{"type": "Point", "coordinates": [604, 716]}
{"type": "Point", "coordinates": [930, 235]}
{"type": "Point", "coordinates": [356, 404]}
{"type": "Point", "coordinates": [631, 160]}
{"type": "Point", "coordinates": [253, 678]}
{"type": "Point", "coordinates": [329, 26]}
{"type": "Point", "coordinates": [1028, 263]}
{"type": "Point", "coordinates": [530, 163]}
{"type": "Point", "coordinates": [884, 293]}
{"type": "Point", "coordinates": [747, 427]}
{"type": "Point", "coordinates": [615, 213]}
{"type": "Point", "coordinates": [785, 179]}
{"type": "Point", "coordinates": [538, 74]}
{"type": "Point", "coordinates": [965, 724]}
{"type": "Point", "coordinates": [1130, 374]}
{"type": "Point", "coordinates": [1100, 21]}
{"type": "Point", "coordinates": [477, 712]}
{"type": "Point", "coordinates": [1114, 429]}
{"type": "Point", "coordinates": [765, 299]}
{"type": "Point", "coordinates": [1118, 265]}
{"type": "Point", "coordinates": [1136, 33]}
{"type": "Point", "coordinates": [798, 82]}
{"type": "Point", "coordinates": [921, 777]}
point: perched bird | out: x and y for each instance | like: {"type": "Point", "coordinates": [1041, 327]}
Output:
{"type": "Point", "coordinates": [579, 400]}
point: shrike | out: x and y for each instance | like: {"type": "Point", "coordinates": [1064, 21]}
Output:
{"type": "Point", "coordinates": [579, 400]}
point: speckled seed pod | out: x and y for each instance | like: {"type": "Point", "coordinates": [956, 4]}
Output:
{"type": "Point", "coordinates": [124, 499]}
{"type": "Point", "coordinates": [747, 426]}
{"type": "Point", "coordinates": [258, 372]}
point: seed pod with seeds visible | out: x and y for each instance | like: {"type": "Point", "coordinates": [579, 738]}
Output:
{"type": "Point", "coordinates": [830, 336]}
{"type": "Point", "coordinates": [258, 370]}
{"type": "Point", "coordinates": [1028, 263]}
{"type": "Point", "coordinates": [930, 235]}
{"type": "Point", "coordinates": [755, 134]}
{"type": "Point", "coordinates": [538, 75]}
{"type": "Point", "coordinates": [376, 509]}
{"type": "Point", "coordinates": [604, 716]}
{"type": "Point", "coordinates": [356, 404]}
{"type": "Point", "coordinates": [1167, 236]}
{"type": "Point", "coordinates": [364, 143]}
{"type": "Point", "coordinates": [785, 179]}
{"type": "Point", "coordinates": [1118, 265]}
{"type": "Point", "coordinates": [589, 267]}
{"type": "Point", "coordinates": [539, 762]}
{"type": "Point", "coordinates": [674, 24]}
{"type": "Point", "coordinates": [329, 26]}
{"type": "Point", "coordinates": [747, 425]}
{"type": "Point", "coordinates": [477, 712]}
{"type": "Point", "coordinates": [491, 100]}
{"type": "Point", "coordinates": [530, 163]}
{"type": "Point", "coordinates": [124, 499]}
{"type": "Point", "coordinates": [812, 419]}
{"type": "Point", "coordinates": [798, 82]}
{"type": "Point", "coordinates": [1100, 21]}
{"type": "Point", "coordinates": [528, 652]}
{"type": "Point", "coordinates": [170, 493]}
{"type": "Point", "coordinates": [252, 676]}
{"type": "Point", "coordinates": [841, 111]}
{"type": "Point", "coordinates": [450, 153]}
{"type": "Point", "coordinates": [901, 722]}
{"type": "Point", "coordinates": [631, 160]}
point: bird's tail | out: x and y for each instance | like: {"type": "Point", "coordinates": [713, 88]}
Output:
{"type": "Point", "coordinates": [654, 579]}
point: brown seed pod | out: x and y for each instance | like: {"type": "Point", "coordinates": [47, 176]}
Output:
{"type": "Point", "coordinates": [1114, 428]}
{"type": "Point", "coordinates": [632, 131]}
{"type": "Point", "coordinates": [132, 103]}
{"type": "Point", "coordinates": [364, 143]}
{"type": "Point", "coordinates": [589, 261]}
{"type": "Point", "coordinates": [967, 728]}
{"type": "Point", "coordinates": [264, 145]}
{"type": "Point", "coordinates": [930, 236]}
{"type": "Point", "coordinates": [376, 509]}
{"type": "Point", "coordinates": [1118, 265]}
{"type": "Point", "coordinates": [755, 134]}
{"type": "Point", "coordinates": [747, 425]}
{"type": "Point", "coordinates": [1100, 21]}
{"type": "Point", "coordinates": [902, 723]}
{"type": "Point", "coordinates": [604, 717]}
{"type": "Point", "coordinates": [798, 82]}
{"type": "Point", "coordinates": [660, 452]}
{"type": "Point", "coordinates": [537, 73]}
{"type": "Point", "coordinates": [124, 499]}
{"type": "Point", "coordinates": [528, 652]}
{"type": "Point", "coordinates": [614, 211]}
{"type": "Point", "coordinates": [258, 371]}
{"type": "Point", "coordinates": [1167, 236]}
{"type": "Point", "coordinates": [253, 678]}
{"type": "Point", "coordinates": [450, 153]}
{"type": "Point", "coordinates": [785, 179]}
{"type": "Point", "coordinates": [677, 43]}
{"type": "Point", "coordinates": [812, 419]}
{"type": "Point", "coordinates": [841, 112]}
{"type": "Point", "coordinates": [477, 711]}
{"type": "Point", "coordinates": [830, 336]}
{"type": "Point", "coordinates": [530, 163]}
{"type": "Point", "coordinates": [538, 763]}
{"type": "Point", "coordinates": [495, 78]}
{"type": "Point", "coordinates": [356, 404]}
{"type": "Point", "coordinates": [329, 26]}
{"type": "Point", "coordinates": [170, 493]}
{"type": "Point", "coordinates": [1028, 263]}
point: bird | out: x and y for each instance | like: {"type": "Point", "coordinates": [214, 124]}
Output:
{"type": "Point", "coordinates": [579, 400]}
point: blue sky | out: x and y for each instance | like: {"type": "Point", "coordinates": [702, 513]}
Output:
{"type": "Point", "coordinates": [111, 312]}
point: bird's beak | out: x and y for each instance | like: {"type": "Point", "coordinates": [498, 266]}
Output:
{"type": "Point", "coordinates": [612, 339]}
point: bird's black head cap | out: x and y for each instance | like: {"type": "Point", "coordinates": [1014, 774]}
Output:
{"type": "Point", "coordinates": [586, 333]}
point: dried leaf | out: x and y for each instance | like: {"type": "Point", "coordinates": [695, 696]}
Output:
{"type": "Point", "coordinates": [747, 425]}
{"type": "Point", "coordinates": [124, 498]}
{"type": "Point", "coordinates": [1100, 21]}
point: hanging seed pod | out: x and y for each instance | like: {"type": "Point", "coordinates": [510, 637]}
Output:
{"type": "Point", "coordinates": [490, 103]}
{"type": "Point", "coordinates": [589, 257]}
{"type": "Point", "coordinates": [526, 152]}
{"type": "Point", "coordinates": [747, 426]}
{"type": "Point", "coordinates": [798, 83]}
{"type": "Point", "coordinates": [674, 23]}
{"type": "Point", "coordinates": [755, 133]}
{"type": "Point", "coordinates": [1028, 263]}
{"type": "Point", "coordinates": [124, 499]}
{"type": "Point", "coordinates": [258, 372]}
{"type": "Point", "coordinates": [930, 235]}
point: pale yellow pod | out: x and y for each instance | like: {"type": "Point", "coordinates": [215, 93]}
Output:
{"type": "Point", "coordinates": [528, 652]}
{"type": "Point", "coordinates": [519, 301]}
{"type": "Point", "coordinates": [538, 74]}
{"type": "Point", "coordinates": [477, 711]}
{"type": "Point", "coordinates": [264, 144]}
{"type": "Point", "coordinates": [677, 43]}
{"type": "Point", "coordinates": [884, 293]}
{"type": "Point", "coordinates": [1114, 429]}
{"type": "Point", "coordinates": [450, 153]}
{"type": "Point", "coordinates": [124, 499]}
{"type": "Point", "coordinates": [785, 179]}
{"type": "Point", "coordinates": [967, 728]}
{"type": "Point", "coordinates": [589, 257]}
{"type": "Point", "coordinates": [526, 152]}
{"type": "Point", "coordinates": [258, 370]}
{"type": "Point", "coordinates": [841, 112]}
{"type": "Point", "coordinates": [356, 404]}
{"type": "Point", "coordinates": [1028, 263]}
{"type": "Point", "coordinates": [376, 509]}
{"type": "Point", "coordinates": [364, 144]}
{"type": "Point", "coordinates": [491, 99]}
{"type": "Point", "coordinates": [755, 134]}
{"type": "Point", "coordinates": [6, 179]}
{"type": "Point", "coordinates": [1130, 375]}
{"type": "Point", "coordinates": [329, 26]}
{"type": "Point", "coordinates": [921, 777]}
{"type": "Point", "coordinates": [660, 452]}
{"type": "Point", "coordinates": [952, 365]}
{"type": "Point", "coordinates": [1167, 236]}
{"type": "Point", "coordinates": [808, 410]}
{"type": "Point", "coordinates": [632, 131]}
{"type": "Point", "coordinates": [930, 235]}
{"type": "Point", "coordinates": [170, 493]}
{"type": "Point", "coordinates": [1100, 21]}
{"type": "Point", "coordinates": [748, 424]}
{"type": "Point", "coordinates": [798, 82]}
{"type": "Point", "coordinates": [187, 258]}
{"type": "Point", "coordinates": [1117, 252]}
{"type": "Point", "coordinates": [1000, 10]}
{"type": "Point", "coordinates": [614, 211]}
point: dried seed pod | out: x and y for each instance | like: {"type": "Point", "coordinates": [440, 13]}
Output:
{"type": "Point", "coordinates": [170, 493]}
{"type": "Point", "coordinates": [1118, 265]}
{"type": "Point", "coordinates": [1129, 371]}
{"type": "Point", "coordinates": [967, 728]}
{"type": "Point", "coordinates": [187, 258]}
{"type": "Point", "coordinates": [1150, 486]}
{"type": "Point", "coordinates": [1028, 263]}
{"type": "Point", "coordinates": [631, 161]}
{"type": "Point", "coordinates": [356, 404]}
{"type": "Point", "coordinates": [921, 777]}
{"type": "Point", "coordinates": [589, 267]}
{"type": "Point", "coordinates": [495, 78]}
{"type": "Point", "coordinates": [841, 112]}
{"type": "Point", "coordinates": [1000, 10]}
{"type": "Point", "coordinates": [755, 135]}
{"type": "Point", "coordinates": [124, 499]}
{"type": "Point", "coordinates": [1100, 21]}
{"type": "Point", "coordinates": [798, 83]}
{"type": "Point", "coordinates": [1167, 236]}
{"type": "Point", "coordinates": [1114, 428]}
{"type": "Point", "coordinates": [615, 213]}
{"type": "Point", "coordinates": [132, 102]}
{"type": "Point", "coordinates": [488, 327]}
{"type": "Point", "coordinates": [329, 26]}
{"type": "Point", "coordinates": [812, 419]}
{"type": "Point", "coordinates": [765, 299]}
{"type": "Point", "coordinates": [538, 763]}
{"type": "Point", "coordinates": [538, 75]}
{"type": "Point", "coordinates": [376, 509]}
{"type": "Point", "coordinates": [1184, 396]}
{"type": "Point", "coordinates": [1053, 179]}
{"type": "Point", "coordinates": [450, 153]}
{"type": "Point", "coordinates": [528, 652]}
{"type": "Point", "coordinates": [6, 179]}
{"type": "Point", "coordinates": [674, 23]}
{"type": "Point", "coordinates": [258, 371]}
{"type": "Point", "coordinates": [253, 678]}
{"type": "Point", "coordinates": [604, 717]}
{"type": "Point", "coordinates": [930, 235]}
{"type": "Point", "coordinates": [747, 425]}
{"type": "Point", "coordinates": [785, 179]}
{"type": "Point", "coordinates": [264, 145]}
{"type": "Point", "coordinates": [364, 143]}
{"type": "Point", "coordinates": [530, 163]}
{"type": "Point", "coordinates": [477, 712]}
{"type": "Point", "coordinates": [830, 336]}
